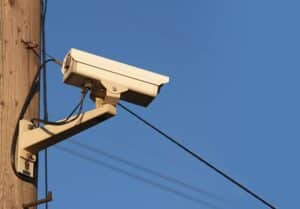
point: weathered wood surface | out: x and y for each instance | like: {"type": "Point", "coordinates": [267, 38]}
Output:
{"type": "Point", "coordinates": [19, 19]}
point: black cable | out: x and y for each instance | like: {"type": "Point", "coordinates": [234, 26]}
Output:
{"type": "Point", "coordinates": [31, 46]}
{"type": "Point", "coordinates": [30, 94]}
{"type": "Point", "coordinates": [137, 177]}
{"type": "Point", "coordinates": [59, 62]}
{"type": "Point", "coordinates": [198, 157]}
{"type": "Point", "coordinates": [45, 102]}
{"type": "Point", "coordinates": [150, 171]}
{"type": "Point", "coordinates": [34, 87]}
{"type": "Point", "coordinates": [68, 119]}
{"type": "Point", "coordinates": [45, 99]}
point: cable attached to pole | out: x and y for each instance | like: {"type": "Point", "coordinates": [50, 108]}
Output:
{"type": "Point", "coordinates": [30, 94]}
{"type": "Point", "coordinates": [32, 46]}
{"type": "Point", "coordinates": [214, 168]}
{"type": "Point", "coordinates": [45, 99]}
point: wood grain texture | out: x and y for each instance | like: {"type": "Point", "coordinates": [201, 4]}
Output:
{"type": "Point", "coordinates": [19, 19]}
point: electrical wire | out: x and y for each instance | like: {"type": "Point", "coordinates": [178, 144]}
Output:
{"type": "Point", "coordinates": [31, 46]}
{"type": "Point", "coordinates": [33, 88]}
{"type": "Point", "coordinates": [144, 169]}
{"type": "Point", "coordinates": [46, 121]}
{"type": "Point", "coordinates": [69, 118]}
{"type": "Point", "coordinates": [59, 62]}
{"type": "Point", "coordinates": [45, 102]}
{"type": "Point", "coordinates": [139, 178]}
{"type": "Point", "coordinates": [189, 151]}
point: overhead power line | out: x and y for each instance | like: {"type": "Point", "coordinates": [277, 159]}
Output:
{"type": "Point", "coordinates": [201, 159]}
{"type": "Point", "coordinates": [142, 168]}
{"type": "Point", "coordinates": [140, 178]}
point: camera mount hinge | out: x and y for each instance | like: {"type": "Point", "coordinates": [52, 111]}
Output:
{"type": "Point", "coordinates": [32, 140]}
{"type": "Point", "coordinates": [109, 94]}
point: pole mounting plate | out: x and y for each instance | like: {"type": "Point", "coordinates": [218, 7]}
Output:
{"type": "Point", "coordinates": [25, 160]}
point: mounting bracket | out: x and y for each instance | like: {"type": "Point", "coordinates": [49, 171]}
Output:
{"type": "Point", "coordinates": [32, 140]}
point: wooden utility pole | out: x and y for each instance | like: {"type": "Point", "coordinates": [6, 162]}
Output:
{"type": "Point", "coordinates": [19, 20]}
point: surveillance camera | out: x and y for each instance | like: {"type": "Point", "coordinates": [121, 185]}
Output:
{"type": "Point", "coordinates": [107, 78]}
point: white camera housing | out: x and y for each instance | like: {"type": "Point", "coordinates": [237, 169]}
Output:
{"type": "Point", "coordinates": [133, 84]}
{"type": "Point", "coordinates": [109, 81]}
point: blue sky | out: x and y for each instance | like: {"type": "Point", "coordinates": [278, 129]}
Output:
{"type": "Point", "coordinates": [233, 98]}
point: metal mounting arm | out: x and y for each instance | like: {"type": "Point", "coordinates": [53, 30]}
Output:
{"type": "Point", "coordinates": [32, 140]}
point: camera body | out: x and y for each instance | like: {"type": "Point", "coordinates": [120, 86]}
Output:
{"type": "Point", "coordinates": [134, 85]}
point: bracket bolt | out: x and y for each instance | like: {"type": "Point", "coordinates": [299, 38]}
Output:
{"type": "Point", "coordinates": [27, 165]}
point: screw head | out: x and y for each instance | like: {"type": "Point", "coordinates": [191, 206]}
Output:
{"type": "Point", "coordinates": [27, 165]}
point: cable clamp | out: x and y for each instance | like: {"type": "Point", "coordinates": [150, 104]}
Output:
{"type": "Point", "coordinates": [30, 44]}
